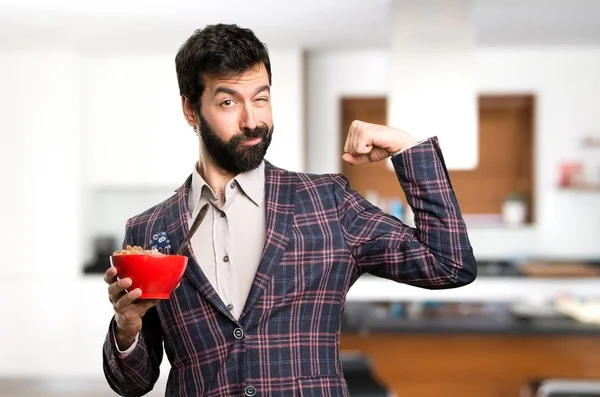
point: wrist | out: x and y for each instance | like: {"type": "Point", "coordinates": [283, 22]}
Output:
{"type": "Point", "coordinates": [124, 343]}
{"type": "Point", "coordinates": [124, 339]}
{"type": "Point", "coordinates": [403, 146]}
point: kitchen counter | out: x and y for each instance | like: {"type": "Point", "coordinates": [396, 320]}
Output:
{"type": "Point", "coordinates": [460, 318]}
{"type": "Point", "coordinates": [484, 288]}
{"type": "Point", "coordinates": [458, 325]}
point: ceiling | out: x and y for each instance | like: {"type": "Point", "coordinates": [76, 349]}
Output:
{"type": "Point", "coordinates": [311, 24]}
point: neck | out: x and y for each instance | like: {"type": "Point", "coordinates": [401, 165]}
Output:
{"type": "Point", "coordinates": [215, 176]}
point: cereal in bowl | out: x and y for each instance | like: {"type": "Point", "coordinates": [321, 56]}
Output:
{"type": "Point", "coordinates": [136, 250]}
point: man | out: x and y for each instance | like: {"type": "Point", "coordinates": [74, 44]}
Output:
{"type": "Point", "coordinates": [258, 310]}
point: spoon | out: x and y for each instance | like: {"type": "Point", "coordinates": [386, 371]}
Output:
{"type": "Point", "coordinates": [194, 227]}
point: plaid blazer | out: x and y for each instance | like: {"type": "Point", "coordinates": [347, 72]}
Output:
{"type": "Point", "coordinates": [321, 237]}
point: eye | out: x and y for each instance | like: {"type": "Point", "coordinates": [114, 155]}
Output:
{"type": "Point", "coordinates": [227, 103]}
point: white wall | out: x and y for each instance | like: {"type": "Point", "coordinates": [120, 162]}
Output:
{"type": "Point", "coordinates": [565, 81]}
{"type": "Point", "coordinates": [431, 60]}
{"type": "Point", "coordinates": [330, 76]}
{"type": "Point", "coordinates": [41, 160]}
{"type": "Point", "coordinates": [287, 147]}
{"type": "Point", "coordinates": [44, 307]}
{"type": "Point", "coordinates": [137, 135]}
{"type": "Point", "coordinates": [82, 133]}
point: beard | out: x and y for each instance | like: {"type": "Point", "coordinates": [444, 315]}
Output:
{"type": "Point", "coordinates": [231, 155]}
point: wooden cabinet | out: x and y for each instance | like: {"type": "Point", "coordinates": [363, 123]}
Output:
{"type": "Point", "coordinates": [474, 365]}
{"type": "Point", "coordinates": [506, 156]}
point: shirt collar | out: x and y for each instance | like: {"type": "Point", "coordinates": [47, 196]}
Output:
{"type": "Point", "coordinates": [252, 184]}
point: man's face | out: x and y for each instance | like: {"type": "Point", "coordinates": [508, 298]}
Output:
{"type": "Point", "coordinates": [236, 124]}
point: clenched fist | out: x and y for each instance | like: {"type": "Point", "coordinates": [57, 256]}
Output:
{"type": "Point", "coordinates": [367, 143]}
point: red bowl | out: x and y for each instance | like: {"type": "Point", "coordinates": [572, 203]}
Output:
{"type": "Point", "coordinates": [156, 275]}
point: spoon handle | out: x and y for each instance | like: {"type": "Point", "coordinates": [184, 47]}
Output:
{"type": "Point", "coordinates": [194, 227]}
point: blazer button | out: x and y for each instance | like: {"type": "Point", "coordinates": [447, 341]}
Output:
{"type": "Point", "coordinates": [238, 333]}
{"type": "Point", "coordinates": [250, 391]}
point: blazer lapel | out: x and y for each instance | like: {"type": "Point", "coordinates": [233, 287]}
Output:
{"type": "Point", "coordinates": [177, 229]}
{"type": "Point", "coordinates": [280, 188]}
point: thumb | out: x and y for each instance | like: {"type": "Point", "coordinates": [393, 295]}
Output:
{"type": "Point", "coordinates": [378, 154]}
{"type": "Point", "coordinates": [355, 160]}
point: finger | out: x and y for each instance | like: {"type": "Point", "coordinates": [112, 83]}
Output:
{"type": "Point", "coordinates": [378, 154]}
{"type": "Point", "coordinates": [363, 146]}
{"type": "Point", "coordinates": [348, 141]}
{"type": "Point", "coordinates": [360, 145]}
{"type": "Point", "coordinates": [355, 159]}
{"type": "Point", "coordinates": [364, 143]}
{"type": "Point", "coordinates": [148, 304]}
{"type": "Point", "coordinates": [110, 276]}
{"type": "Point", "coordinates": [348, 158]}
{"type": "Point", "coordinates": [115, 290]}
{"type": "Point", "coordinates": [352, 133]}
{"type": "Point", "coordinates": [353, 141]}
{"type": "Point", "coordinates": [127, 300]}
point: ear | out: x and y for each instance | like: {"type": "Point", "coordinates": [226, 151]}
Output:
{"type": "Point", "coordinates": [189, 111]}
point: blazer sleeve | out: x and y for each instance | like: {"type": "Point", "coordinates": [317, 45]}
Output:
{"type": "Point", "coordinates": [436, 254]}
{"type": "Point", "coordinates": [136, 373]}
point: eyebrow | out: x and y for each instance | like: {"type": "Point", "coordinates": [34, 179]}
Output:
{"type": "Point", "coordinates": [231, 91]}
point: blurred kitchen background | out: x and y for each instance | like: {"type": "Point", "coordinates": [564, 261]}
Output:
{"type": "Point", "coordinates": [92, 133]}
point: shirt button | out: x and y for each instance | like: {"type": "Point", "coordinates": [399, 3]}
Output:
{"type": "Point", "coordinates": [226, 258]}
{"type": "Point", "coordinates": [222, 214]}
{"type": "Point", "coordinates": [238, 333]}
{"type": "Point", "coordinates": [230, 307]}
{"type": "Point", "coordinates": [250, 391]}
{"type": "Point", "coordinates": [232, 185]}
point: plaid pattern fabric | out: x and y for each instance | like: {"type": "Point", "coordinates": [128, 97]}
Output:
{"type": "Point", "coordinates": [321, 237]}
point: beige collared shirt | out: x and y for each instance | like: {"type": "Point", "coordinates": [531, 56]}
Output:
{"type": "Point", "coordinates": [228, 244]}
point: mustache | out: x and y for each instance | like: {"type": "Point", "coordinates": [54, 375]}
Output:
{"type": "Point", "coordinates": [256, 132]}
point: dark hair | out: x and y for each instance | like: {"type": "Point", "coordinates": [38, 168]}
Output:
{"type": "Point", "coordinates": [218, 50]}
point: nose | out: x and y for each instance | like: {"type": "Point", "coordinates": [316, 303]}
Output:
{"type": "Point", "coordinates": [247, 118]}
